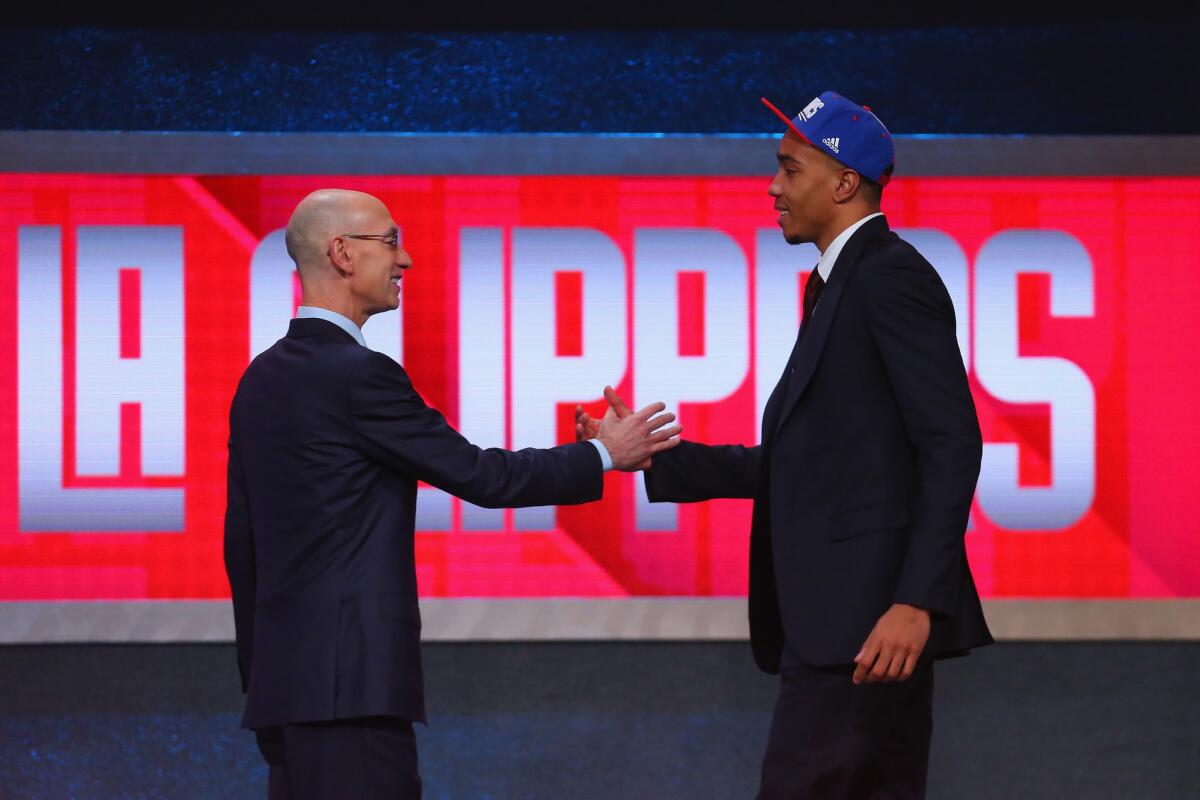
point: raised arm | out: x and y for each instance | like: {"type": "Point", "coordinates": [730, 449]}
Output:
{"type": "Point", "coordinates": [693, 472]}
{"type": "Point", "coordinates": [394, 425]}
{"type": "Point", "coordinates": [689, 473]}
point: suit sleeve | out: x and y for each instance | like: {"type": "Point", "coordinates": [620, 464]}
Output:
{"type": "Point", "coordinates": [692, 472]}
{"type": "Point", "coordinates": [911, 320]}
{"type": "Point", "coordinates": [239, 563]}
{"type": "Point", "coordinates": [395, 426]}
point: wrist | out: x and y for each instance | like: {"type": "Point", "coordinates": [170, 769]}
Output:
{"type": "Point", "coordinates": [913, 610]}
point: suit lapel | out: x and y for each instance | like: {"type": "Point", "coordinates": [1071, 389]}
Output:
{"type": "Point", "coordinates": [810, 341]}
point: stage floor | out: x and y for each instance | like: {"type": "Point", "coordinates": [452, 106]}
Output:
{"type": "Point", "coordinates": [604, 720]}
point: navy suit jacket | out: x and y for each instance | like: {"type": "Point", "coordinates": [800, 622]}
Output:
{"type": "Point", "coordinates": [863, 484]}
{"type": "Point", "coordinates": [327, 442]}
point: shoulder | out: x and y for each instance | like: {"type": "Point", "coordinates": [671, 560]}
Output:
{"type": "Point", "coordinates": [367, 361]}
{"type": "Point", "coordinates": [372, 372]}
{"type": "Point", "coordinates": [887, 251]}
{"type": "Point", "coordinates": [890, 270]}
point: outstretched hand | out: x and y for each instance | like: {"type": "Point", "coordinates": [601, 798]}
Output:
{"type": "Point", "coordinates": [587, 426]}
{"type": "Point", "coordinates": [631, 438]}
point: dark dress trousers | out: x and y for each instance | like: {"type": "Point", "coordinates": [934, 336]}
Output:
{"type": "Point", "coordinates": [327, 442]}
{"type": "Point", "coordinates": [864, 479]}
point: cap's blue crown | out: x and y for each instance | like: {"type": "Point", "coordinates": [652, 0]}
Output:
{"type": "Point", "coordinates": [846, 132]}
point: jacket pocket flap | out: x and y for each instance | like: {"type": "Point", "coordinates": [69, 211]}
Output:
{"type": "Point", "coordinates": [865, 519]}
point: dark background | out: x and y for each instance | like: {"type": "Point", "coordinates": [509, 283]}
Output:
{"type": "Point", "coordinates": [979, 68]}
{"type": "Point", "coordinates": [604, 720]}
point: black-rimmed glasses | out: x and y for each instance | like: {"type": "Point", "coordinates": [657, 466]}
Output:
{"type": "Point", "coordinates": [390, 239]}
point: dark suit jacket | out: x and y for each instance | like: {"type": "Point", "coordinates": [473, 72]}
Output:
{"type": "Point", "coordinates": [327, 442]}
{"type": "Point", "coordinates": [863, 483]}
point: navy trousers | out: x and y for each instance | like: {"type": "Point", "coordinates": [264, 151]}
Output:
{"type": "Point", "coordinates": [832, 740]}
{"type": "Point", "coordinates": [373, 758]}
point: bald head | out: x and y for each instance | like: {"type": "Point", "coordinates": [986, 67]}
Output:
{"type": "Point", "coordinates": [347, 250]}
{"type": "Point", "coordinates": [322, 215]}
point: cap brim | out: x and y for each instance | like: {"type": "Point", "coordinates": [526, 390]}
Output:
{"type": "Point", "coordinates": [786, 119]}
{"type": "Point", "coordinates": [882, 180]}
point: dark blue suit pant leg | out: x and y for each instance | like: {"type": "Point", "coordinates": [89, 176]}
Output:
{"type": "Point", "coordinates": [270, 744]}
{"type": "Point", "coordinates": [373, 758]}
{"type": "Point", "coordinates": [832, 740]}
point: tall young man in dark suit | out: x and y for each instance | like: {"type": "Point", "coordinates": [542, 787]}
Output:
{"type": "Point", "coordinates": [327, 442]}
{"type": "Point", "coordinates": [862, 484]}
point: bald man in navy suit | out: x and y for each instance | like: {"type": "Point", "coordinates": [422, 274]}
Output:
{"type": "Point", "coordinates": [327, 442]}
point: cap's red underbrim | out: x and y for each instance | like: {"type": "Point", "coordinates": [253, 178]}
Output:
{"type": "Point", "coordinates": [882, 180]}
{"type": "Point", "coordinates": [786, 119]}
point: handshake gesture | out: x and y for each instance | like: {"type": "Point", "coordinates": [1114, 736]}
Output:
{"type": "Point", "coordinates": [631, 439]}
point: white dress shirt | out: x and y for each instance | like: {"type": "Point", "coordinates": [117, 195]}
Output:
{"type": "Point", "coordinates": [830, 256]}
{"type": "Point", "coordinates": [315, 312]}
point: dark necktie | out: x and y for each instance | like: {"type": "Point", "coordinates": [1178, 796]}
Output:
{"type": "Point", "coordinates": [812, 291]}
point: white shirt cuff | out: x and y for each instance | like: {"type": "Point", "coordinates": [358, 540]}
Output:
{"type": "Point", "coordinates": [605, 458]}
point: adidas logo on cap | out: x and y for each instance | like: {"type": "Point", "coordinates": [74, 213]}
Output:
{"type": "Point", "coordinates": [832, 143]}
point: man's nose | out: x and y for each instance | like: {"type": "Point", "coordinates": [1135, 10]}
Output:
{"type": "Point", "coordinates": [403, 259]}
{"type": "Point", "coordinates": [773, 188]}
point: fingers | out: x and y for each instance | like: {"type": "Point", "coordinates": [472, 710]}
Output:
{"type": "Point", "coordinates": [892, 650]}
{"type": "Point", "coordinates": [615, 402]}
{"type": "Point", "coordinates": [894, 668]}
{"type": "Point", "coordinates": [580, 433]}
{"type": "Point", "coordinates": [666, 433]}
{"type": "Point", "coordinates": [649, 411]}
{"type": "Point", "coordinates": [657, 422]}
{"type": "Point", "coordinates": [878, 672]}
{"type": "Point", "coordinates": [889, 665]}
{"type": "Point", "coordinates": [659, 447]}
{"type": "Point", "coordinates": [866, 659]}
{"type": "Point", "coordinates": [585, 432]}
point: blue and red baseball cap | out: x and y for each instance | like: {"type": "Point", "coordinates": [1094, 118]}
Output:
{"type": "Point", "coordinates": [848, 133]}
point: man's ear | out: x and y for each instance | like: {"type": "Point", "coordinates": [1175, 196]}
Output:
{"type": "Point", "coordinates": [847, 186]}
{"type": "Point", "coordinates": [339, 256]}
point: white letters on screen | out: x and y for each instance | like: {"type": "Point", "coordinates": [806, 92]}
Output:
{"type": "Point", "coordinates": [540, 378]}
{"type": "Point", "coordinates": [660, 373]}
{"type": "Point", "coordinates": [481, 356]}
{"type": "Point", "coordinates": [1009, 377]}
{"type": "Point", "coordinates": [103, 379]}
{"type": "Point", "coordinates": [45, 504]}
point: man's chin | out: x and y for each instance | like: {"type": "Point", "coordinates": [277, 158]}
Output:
{"type": "Point", "coordinates": [392, 305]}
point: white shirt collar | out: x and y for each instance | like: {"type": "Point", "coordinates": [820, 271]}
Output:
{"type": "Point", "coordinates": [313, 312]}
{"type": "Point", "coordinates": [830, 256]}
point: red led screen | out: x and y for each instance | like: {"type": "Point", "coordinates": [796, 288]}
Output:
{"type": "Point", "coordinates": [130, 306]}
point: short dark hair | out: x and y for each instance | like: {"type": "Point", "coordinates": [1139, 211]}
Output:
{"type": "Point", "coordinates": [871, 190]}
